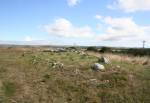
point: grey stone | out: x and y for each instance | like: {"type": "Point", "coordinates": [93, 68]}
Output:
{"type": "Point", "coordinates": [97, 66]}
{"type": "Point", "coordinates": [104, 60]}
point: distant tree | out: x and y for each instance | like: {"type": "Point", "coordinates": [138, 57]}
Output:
{"type": "Point", "coordinates": [105, 49]}
{"type": "Point", "coordinates": [92, 48]}
{"type": "Point", "coordinates": [138, 52]}
{"type": "Point", "coordinates": [75, 48]}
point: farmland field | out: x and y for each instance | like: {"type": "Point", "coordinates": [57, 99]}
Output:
{"type": "Point", "coordinates": [27, 76]}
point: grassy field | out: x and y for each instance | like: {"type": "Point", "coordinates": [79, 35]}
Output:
{"type": "Point", "coordinates": [29, 77]}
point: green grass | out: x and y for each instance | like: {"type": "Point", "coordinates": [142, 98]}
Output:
{"type": "Point", "coordinates": [33, 80]}
{"type": "Point", "coordinates": [9, 89]}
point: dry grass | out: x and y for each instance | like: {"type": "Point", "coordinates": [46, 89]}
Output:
{"type": "Point", "coordinates": [144, 60]}
{"type": "Point", "coordinates": [23, 81]}
{"type": "Point", "coordinates": [131, 59]}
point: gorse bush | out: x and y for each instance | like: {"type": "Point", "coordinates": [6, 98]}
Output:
{"type": "Point", "coordinates": [92, 48]}
{"type": "Point", "coordinates": [105, 49]}
{"type": "Point", "coordinates": [135, 51]}
{"type": "Point", "coordinates": [138, 52]}
{"type": "Point", "coordinates": [130, 51]}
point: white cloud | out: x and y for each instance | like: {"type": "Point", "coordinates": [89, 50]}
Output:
{"type": "Point", "coordinates": [98, 16]}
{"type": "Point", "coordinates": [28, 38]}
{"type": "Point", "coordinates": [112, 30]}
{"type": "Point", "coordinates": [118, 29]}
{"type": "Point", "coordinates": [64, 28]}
{"type": "Point", "coordinates": [72, 3]}
{"type": "Point", "coordinates": [131, 5]}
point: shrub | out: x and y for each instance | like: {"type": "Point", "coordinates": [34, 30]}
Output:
{"type": "Point", "coordinates": [105, 49]}
{"type": "Point", "coordinates": [92, 48]}
{"type": "Point", "coordinates": [136, 51]}
{"type": "Point", "coordinates": [139, 52]}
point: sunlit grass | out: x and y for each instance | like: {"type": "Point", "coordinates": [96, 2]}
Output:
{"type": "Point", "coordinates": [33, 80]}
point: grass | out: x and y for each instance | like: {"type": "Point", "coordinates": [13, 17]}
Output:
{"type": "Point", "coordinates": [9, 88]}
{"type": "Point", "coordinates": [27, 77]}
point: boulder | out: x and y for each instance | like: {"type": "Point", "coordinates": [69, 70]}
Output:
{"type": "Point", "coordinates": [97, 66]}
{"type": "Point", "coordinates": [103, 60]}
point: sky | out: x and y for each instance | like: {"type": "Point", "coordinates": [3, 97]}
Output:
{"type": "Point", "coordinates": [119, 23]}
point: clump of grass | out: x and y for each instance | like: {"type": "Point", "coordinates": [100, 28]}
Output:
{"type": "Point", "coordinates": [104, 85]}
{"type": "Point", "coordinates": [83, 99]}
{"type": "Point", "coordinates": [119, 80]}
{"type": "Point", "coordinates": [72, 88]}
{"type": "Point", "coordinates": [2, 69]}
{"type": "Point", "coordinates": [35, 59]}
{"type": "Point", "coordinates": [116, 80]}
{"type": "Point", "coordinates": [69, 99]}
{"type": "Point", "coordinates": [111, 97]}
{"type": "Point", "coordinates": [9, 88]}
{"type": "Point", "coordinates": [46, 76]}
{"type": "Point", "coordinates": [82, 57]}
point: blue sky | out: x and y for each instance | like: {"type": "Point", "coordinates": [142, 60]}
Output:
{"type": "Point", "coordinates": [80, 22]}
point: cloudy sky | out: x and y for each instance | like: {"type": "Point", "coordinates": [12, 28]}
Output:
{"type": "Point", "coordinates": [76, 22]}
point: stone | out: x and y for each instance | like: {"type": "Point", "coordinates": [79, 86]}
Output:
{"type": "Point", "coordinates": [104, 60]}
{"type": "Point", "coordinates": [97, 66]}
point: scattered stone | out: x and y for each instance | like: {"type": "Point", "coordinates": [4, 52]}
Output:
{"type": "Point", "coordinates": [61, 50]}
{"type": "Point", "coordinates": [93, 81]}
{"type": "Point", "coordinates": [106, 81]}
{"type": "Point", "coordinates": [82, 53]}
{"type": "Point", "coordinates": [118, 66]}
{"type": "Point", "coordinates": [57, 64]}
{"type": "Point", "coordinates": [77, 71]}
{"type": "Point", "coordinates": [103, 60]}
{"type": "Point", "coordinates": [76, 51]}
{"type": "Point", "coordinates": [98, 66]}
{"type": "Point", "coordinates": [61, 65]}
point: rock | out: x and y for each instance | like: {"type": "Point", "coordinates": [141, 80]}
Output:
{"type": "Point", "coordinates": [93, 81]}
{"type": "Point", "coordinates": [77, 71]}
{"type": "Point", "coordinates": [98, 66]}
{"type": "Point", "coordinates": [61, 65]}
{"type": "Point", "coordinates": [82, 53]}
{"type": "Point", "coordinates": [104, 60]}
{"type": "Point", "coordinates": [57, 65]}
{"type": "Point", "coordinates": [118, 66]}
{"type": "Point", "coordinates": [106, 81]}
